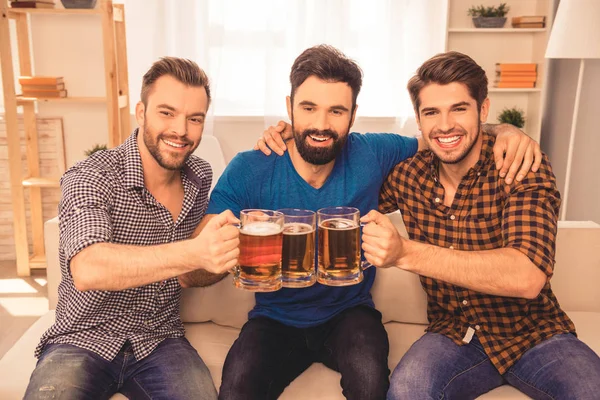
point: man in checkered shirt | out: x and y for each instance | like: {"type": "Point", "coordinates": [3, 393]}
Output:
{"type": "Point", "coordinates": [126, 218]}
{"type": "Point", "coordinates": [484, 251]}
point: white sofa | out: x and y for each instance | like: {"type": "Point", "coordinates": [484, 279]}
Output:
{"type": "Point", "coordinates": [213, 316]}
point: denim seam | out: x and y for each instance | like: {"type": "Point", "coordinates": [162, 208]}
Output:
{"type": "Point", "coordinates": [459, 374]}
{"type": "Point", "coordinates": [531, 386]}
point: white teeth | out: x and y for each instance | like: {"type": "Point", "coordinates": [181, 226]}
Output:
{"type": "Point", "coordinates": [450, 139]}
{"type": "Point", "coordinates": [318, 139]}
{"type": "Point", "coordinates": [172, 144]}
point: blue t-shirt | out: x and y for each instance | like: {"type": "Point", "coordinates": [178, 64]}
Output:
{"type": "Point", "coordinates": [253, 180]}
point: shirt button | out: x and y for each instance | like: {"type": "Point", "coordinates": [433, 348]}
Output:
{"type": "Point", "coordinates": [437, 200]}
{"type": "Point", "coordinates": [452, 217]}
{"type": "Point", "coordinates": [477, 327]}
{"type": "Point", "coordinates": [465, 302]}
{"type": "Point", "coordinates": [451, 247]}
{"type": "Point", "coordinates": [479, 174]}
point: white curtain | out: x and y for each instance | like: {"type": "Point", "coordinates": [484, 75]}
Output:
{"type": "Point", "coordinates": [247, 47]}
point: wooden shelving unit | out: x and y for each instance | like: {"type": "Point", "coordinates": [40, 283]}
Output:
{"type": "Point", "coordinates": [111, 17]}
{"type": "Point", "coordinates": [488, 46]}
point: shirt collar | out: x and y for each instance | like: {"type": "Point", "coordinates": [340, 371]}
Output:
{"type": "Point", "coordinates": [134, 172]}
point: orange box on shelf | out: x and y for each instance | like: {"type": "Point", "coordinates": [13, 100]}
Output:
{"type": "Point", "coordinates": [507, 85]}
{"type": "Point", "coordinates": [41, 80]}
{"type": "Point", "coordinates": [524, 67]}
{"type": "Point", "coordinates": [45, 93]}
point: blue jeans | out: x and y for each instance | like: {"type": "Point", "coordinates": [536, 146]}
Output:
{"type": "Point", "coordinates": [268, 355]}
{"type": "Point", "coordinates": [174, 370]}
{"type": "Point", "coordinates": [562, 367]}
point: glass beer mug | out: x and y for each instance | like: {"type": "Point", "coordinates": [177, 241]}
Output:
{"type": "Point", "coordinates": [339, 246]}
{"type": "Point", "coordinates": [259, 262]}
{"type": "Point", "coordinates": [298, 255]}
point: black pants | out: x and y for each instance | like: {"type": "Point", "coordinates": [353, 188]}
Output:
{"type": "Point", "coordinates": [268, 356]}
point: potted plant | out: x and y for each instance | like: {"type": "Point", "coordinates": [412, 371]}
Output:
{"type": "Point", "coordinates": [97, 147]}
{"type": "Point", "coordinates": [78, 3]}
{"type": "Point", "coordinates": [489, 17]}
{"type": "Point", "coordinates": [512, 116]}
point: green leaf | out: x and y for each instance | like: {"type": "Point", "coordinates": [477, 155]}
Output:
{"type": "Point", "coordinates": [513, 116]}
{"type": "Point", "coordinates": [97, 147]}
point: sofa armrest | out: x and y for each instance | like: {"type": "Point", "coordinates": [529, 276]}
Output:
{"type": "Point", "coordinates": [577, 268]}
{"type": "Point", "coordinates": [18, 363]}
{"type": "Point", "coordinates": [51, 235]}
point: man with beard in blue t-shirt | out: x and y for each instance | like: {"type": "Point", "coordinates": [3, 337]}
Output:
{"type": "Point", "coordinates": [326, 165]}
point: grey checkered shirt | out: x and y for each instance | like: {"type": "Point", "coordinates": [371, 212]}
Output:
{"type": "Point", "coordinates": [104, 200]}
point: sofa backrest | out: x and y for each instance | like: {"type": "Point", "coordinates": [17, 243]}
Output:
{"type": "Point", "coordinates": [52, 262]}
{"type": "Point", "coordinates": [577, 269]}
{"type": "Point", "coordinates": [210, 150]}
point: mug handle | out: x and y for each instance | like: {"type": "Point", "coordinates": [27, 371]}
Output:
{"type": "Point", "coordinates": [365, 264]}
{"type": "Point", "coordinates": [231, 271]}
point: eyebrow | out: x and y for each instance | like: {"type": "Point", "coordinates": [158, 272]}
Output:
{"type": "Point", "coordinates": [171, 108]}
{"type": "Point", "coordinates": [461, 104]}
{"type": "Point", "coordinates": [336, 107]}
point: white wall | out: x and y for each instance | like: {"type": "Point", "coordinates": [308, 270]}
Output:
{"type": "Point", "coordinates": [584, 196]}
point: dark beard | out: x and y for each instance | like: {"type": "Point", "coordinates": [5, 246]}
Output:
{"type": "Point", "coordinates": [152, 146]}
{"type": "Point", "coordinates": [318, 155]}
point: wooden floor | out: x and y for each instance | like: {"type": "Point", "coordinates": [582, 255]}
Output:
{"type": "Point", "coordinates": [22, 302]}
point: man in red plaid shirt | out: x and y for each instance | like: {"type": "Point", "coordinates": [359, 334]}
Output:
{"type": "Point", "coordinates": [484, 250]}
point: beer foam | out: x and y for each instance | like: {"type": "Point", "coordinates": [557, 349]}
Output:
{"type": "Point", "coordinates": [297, 228]}
{"type": "Point", "coordinates": [260, 228]}
{"type": "Point", "coordinates": [338, 224]}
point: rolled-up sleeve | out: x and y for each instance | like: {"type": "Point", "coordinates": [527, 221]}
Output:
{"type": "Point", "coordinates": [84, 211]}
{"type": "Point", "coordinates": [530, 217]}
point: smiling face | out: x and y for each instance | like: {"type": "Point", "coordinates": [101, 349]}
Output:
{"type": "Point", "coordinates": [321, 116]}
{"type": "Point", "coordinates": [450, 122]}
{"type": "Point", "coordinates": [172, 122]}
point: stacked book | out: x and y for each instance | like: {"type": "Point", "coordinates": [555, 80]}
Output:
{"type": "Point", "coordinates": [532, 21]}
{"type": "Point", "coordinates": [43, 86]}
{"type": "Point", "coordinates": [32, 3]}
{"type": "Point", "coordinates": [516, 75]}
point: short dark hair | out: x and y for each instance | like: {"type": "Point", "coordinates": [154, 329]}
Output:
{"type": "Point", "coordinates": [328, 64]}
{"type": "Point", "coordinates": [445, 68]}
{"type": "Point", "coordinates": [184, 70]}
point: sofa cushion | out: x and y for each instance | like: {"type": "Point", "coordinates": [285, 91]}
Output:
{"type": "Point", "coordinates": [399, 296]}
{"type": "Point", "coordinates": [221, 303]}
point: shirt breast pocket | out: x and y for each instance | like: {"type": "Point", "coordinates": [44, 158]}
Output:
{"type": "Point", "coordinates": [482, 228]}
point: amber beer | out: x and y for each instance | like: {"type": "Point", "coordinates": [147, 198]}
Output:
{"type": "Point", "coordinates": [259, 261]}
{"type": "Point", "coordinates": [339, 247]}
{"type": "Point", "coordinates": [298, 255]}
